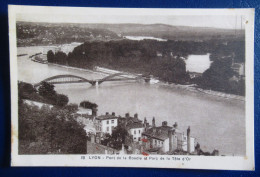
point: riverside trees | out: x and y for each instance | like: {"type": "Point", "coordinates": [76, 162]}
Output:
{"type": "Point", "coordinates": [165, 60]}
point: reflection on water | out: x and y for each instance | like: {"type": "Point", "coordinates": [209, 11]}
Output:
{"type": "Point", "coordinates": [215, 122]}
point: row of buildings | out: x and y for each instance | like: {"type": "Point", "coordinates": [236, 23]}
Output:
{"type": "Point", "coordinates": [141, 136]}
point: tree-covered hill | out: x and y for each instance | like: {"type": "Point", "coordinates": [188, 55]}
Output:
{"type": "Point", "coordinates": [29, 34]}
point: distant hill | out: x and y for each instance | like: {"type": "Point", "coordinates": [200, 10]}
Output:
{"type": "Point", "coordinates": [30, 33]}
{"type": "Point", "coordinates": [168, 31]}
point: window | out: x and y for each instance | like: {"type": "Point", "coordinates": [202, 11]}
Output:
{"type": "Point", "coordinates": [113, 127]}
{"type": "Point", "coordinates": [139, 139]}
{"type": "Point", "coordinates": [112, 121]}
{"type": "Point", "coordinates": [107, 129]}
{"type": "Point", "coordinates": [134, 132]}
{"type": "Point", "coordinates": [134, 138]}
{"type": "Point", "coordinates": [139, 131]}
{"type": "Point", "coordinates": [107, 121]}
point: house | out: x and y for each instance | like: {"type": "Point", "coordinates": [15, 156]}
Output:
{"type": "Point", "coordinates": [167, 139]}
{"type": "Point", "coordinates": [106, 123]}
{"type": "Point", "coordinates": [133, 125]}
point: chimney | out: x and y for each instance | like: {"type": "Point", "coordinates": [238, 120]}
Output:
{"type": "Point", "coordinates": [113, 114]}
{"type": "Point", "coordinates": [153, 122]}
{"type": "Point", "coordinates": [175, 125]}
{"type": "Point", "coordinates": [127, 115]}
{"type": "Point", "coordinates": [188, 139]}
{"type": "Point", "coordinates": [136, 115]}
{"type": "Point", "coordinates": [164, 123]}
{"type": "Point", "coordinates": [107, 113]}
{"type": "Point", "coordinates": [145, 121]}
{"type": "Point", "coordinates": [170, 135]}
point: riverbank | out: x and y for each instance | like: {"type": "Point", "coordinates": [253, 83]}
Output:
{"type": "Point", "coordinates": [191, 88]}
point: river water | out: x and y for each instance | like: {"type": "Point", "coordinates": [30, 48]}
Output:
{"type": "Point", "coordinates": [216, 122]}
{"type": "Point", "coordinates": [197, 63]}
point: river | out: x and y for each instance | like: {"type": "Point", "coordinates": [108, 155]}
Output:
{"type": "Point", "coordinates": [216, 122]}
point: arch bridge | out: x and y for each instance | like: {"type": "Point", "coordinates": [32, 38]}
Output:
{"type": "Point", "coordinates": [70, 79]}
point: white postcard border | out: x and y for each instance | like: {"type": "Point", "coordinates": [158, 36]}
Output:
{"type": "Point", "coordinates": [194, 162]}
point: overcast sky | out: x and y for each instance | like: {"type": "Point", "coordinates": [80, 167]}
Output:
{"type": "Point", "coordinates": [229, 22]}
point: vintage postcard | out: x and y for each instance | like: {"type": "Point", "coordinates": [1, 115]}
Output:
{"type": "Point", "coordinates": [122, 87]}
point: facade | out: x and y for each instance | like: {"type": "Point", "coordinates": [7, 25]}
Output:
{"type": "Point", "coordinates": [106, 123]}
{"type": "Point", "coordinates": [167, 139]}
{"type": "Point", "coordinates": [134, 126]}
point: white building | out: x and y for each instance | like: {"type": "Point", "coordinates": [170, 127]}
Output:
{"type": "Point", "coordinates": [133, 125]}
{"type": "Point", "coordinates": [136, 130]}
{"type": "Point", "coordinates": [106, 123]}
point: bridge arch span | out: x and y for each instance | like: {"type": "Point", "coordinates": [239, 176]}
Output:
{"type": "Point", "coordinates": [112, 76]}
{"type": "Point", "coordinates": [65, 78]}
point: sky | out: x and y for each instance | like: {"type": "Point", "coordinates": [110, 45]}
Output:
{"type": "Point", "coordinates": [215, 21]}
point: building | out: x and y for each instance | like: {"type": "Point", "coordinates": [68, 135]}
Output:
{"type": "Point", "coordinates": [167, 139]}
{"type": "Point", "coordinates": [134, 126]}
{"type": "Point", "coordinates": [106, 123]}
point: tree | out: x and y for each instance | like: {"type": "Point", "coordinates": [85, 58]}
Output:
{"type": "Point", "coordinates": [60, 57]}
{"type": "Point", "coordinates": [88, 105]}
{"type": "Point", "coordinates": [118, 137]}
{"type": "Point", "coordinates": [71, 107]}
{"type": "Point", "coordinates": [61, 100]}
{"type": "Point", "coordinates": [50, 56]}
{"type": "Point", "coordinates": [47, 91]}
{"type": "Point", "coordinates": [218, 75]}
{"type": "Point", "coordinates": [45, 130]}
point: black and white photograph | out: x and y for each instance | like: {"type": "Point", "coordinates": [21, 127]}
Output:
{"type": "Point", "coordinates": [166, 88]}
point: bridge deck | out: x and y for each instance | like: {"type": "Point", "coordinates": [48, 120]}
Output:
{"type": "Point", "coordinates": [69, 79]}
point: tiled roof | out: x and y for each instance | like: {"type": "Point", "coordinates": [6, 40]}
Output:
{"type": "Point", "coordinates": [160, 133]}
{"type": "Point", "coordinates": [106, 117]}
{"type": "Point", "coordinates": [134, 125]}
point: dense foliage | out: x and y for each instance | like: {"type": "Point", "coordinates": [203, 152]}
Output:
{"type": "Point", "coordinates": [45, 130]}
{"type": "Point", "coordinates": [218, 77]}
{"type": "Point", "coordinates": [48, 130]}
{"type": "Point", "coordinates": [118, 137]}
{"type": "Point", "coordinates": [165, 60]}
{"type": "Point", "coordinates": [88, 105]}
{"type": "Point", "coordinates": [45, 94]}
{"type": "Point", "coordinates": [44, 34]}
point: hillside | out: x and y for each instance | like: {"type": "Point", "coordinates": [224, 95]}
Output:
{"type": "Point", "coordinates": [29, 33]}
{"type": "Point", "coordinates": [168, 31]}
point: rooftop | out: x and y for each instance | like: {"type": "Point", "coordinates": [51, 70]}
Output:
{"type": "Point", "coordinates": [160, 133]}
{"type": "Point", "coordinates": [134, 125]}
{"type": "Point", "coordinates": [107, 116]}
